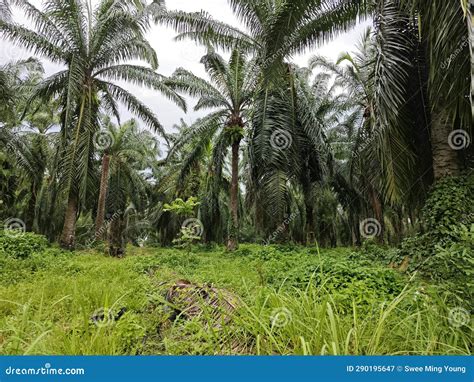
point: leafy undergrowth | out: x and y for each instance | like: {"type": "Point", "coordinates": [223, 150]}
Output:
{"type": "Point", "coordinates": [291, 301]}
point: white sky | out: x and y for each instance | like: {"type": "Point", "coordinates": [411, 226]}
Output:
{"type": "Point", "coordinates": [172, 54]}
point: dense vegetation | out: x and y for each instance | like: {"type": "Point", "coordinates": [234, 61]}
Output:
{"type": "Point", "coordinates": [326, 209]}
{"type": "Point", "coordinates": [290, 300]}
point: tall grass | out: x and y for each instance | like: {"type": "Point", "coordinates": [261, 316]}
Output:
{"type": "Point", "coordinates": [50, 311]}
{"type": "Point", "coordinates": [314, 324]}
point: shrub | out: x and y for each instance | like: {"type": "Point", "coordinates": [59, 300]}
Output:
{"type": "Point", "coordinates": [444, 253]}
{"type": "Point", "coordinates": [23, 245]}
{"type": "Point", "coordinates": [450, 203]}
{"type": "Point", "coordinates": [130, 332]}
{"type": "Point", "coordinates": [374, 252]}
{"type": "Point", "coordinates": [15, 269]}
{"type": "Point", "coordinates": [347, 277]}
{"type": "Point", "coordinates": [452, 265]}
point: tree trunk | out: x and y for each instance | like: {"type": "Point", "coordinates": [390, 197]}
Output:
{"type": "Point", "coordinates": [398, 225]}
{"type": "Point", "coordinates": [378, 211]}
{"type": "Point", "coordinates": [31, 211]}
{"type": "Point", "coordinates": [232, 242]}
{"type": "Point", "coordinates": [310, 231]}
{"type": "Point", "coordinates": [104, 184]}
{"type": "Point", "coordinates": [116, 245]}
{"type": "Point", "coordinates": [355, 230]}
{"type": "Point", "coordinates": [445, 159]}
{"type": "Point", "coordinates": [69, 228]}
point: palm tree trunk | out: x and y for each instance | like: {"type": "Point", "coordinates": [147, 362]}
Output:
{"type": "Point", "coordinates": [355, 229]}
{"type": "Point", "coordinates": [31, 211]}
{"type": "Point", "coordinates": [232, 242]}
{"type": "Point", "coordinates": [69, 228]}
{"type": "Point", "coordinates": [310, 232]}
{"type": "Point", "coordinates": [104, 184]}
{"type": "Point", "coordinates": [116, 245]}
{"type": "Point", "coordinates": [309, 229]}
{"type": "Point", "coordinates": [445, 160]}
{"type": "Point", "coordinates": [378, 211]}
{"type": "Point", "coordinates": [398, 226]}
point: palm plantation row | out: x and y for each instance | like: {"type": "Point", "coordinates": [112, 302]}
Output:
{"type": "Point", "coordinates": [285, 154]}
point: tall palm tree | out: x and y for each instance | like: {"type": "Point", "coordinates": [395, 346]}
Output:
{"type": "Point", "coordinates": [128, 147]}
{"type": "Point", "coordinates": [274, 31]}
{"type": "Point", "coordinates": [130, 153]}
{"type": "Point", "coordinates": [230, 91]}
{"type": "Point", "coordinates": [421, 43]}
{"type": "Point", "coordinates": [93, 45]}
{"type": "Point", "coordinates": [27, 137]}
{"type": "Point", "coordinates": [446, 41]}
{"type": "Point", "coordinates": [39, 144]}
{"type": "Point", "coordinates": [424, 53]}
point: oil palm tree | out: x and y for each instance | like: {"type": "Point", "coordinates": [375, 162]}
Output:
{"type": "Point", "coordinates": [446, 43]}
{"type": "Point", "coordinates": [424, 54]}
{"type": "Point", "coordinates": [93, 45]}
{"type": "Point", "coordinates": [230, 92]}
{"type": "Point", "coordinates": [128, 147]}
{"type": "Point", "coordinates": [27, 138]}
{"type": "Point", "coordinates": [124, 161]}
{"type": "Point", "coordinates": [274, 31]}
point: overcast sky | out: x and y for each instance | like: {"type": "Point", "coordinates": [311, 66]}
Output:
{"type": "Point", "coordinates": [172, 55]}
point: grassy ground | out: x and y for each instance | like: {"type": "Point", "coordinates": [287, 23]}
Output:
{"type": "Point", "coordinates": [290, 301]}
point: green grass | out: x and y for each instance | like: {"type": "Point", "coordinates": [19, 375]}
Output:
{"type": "Point", "coordinates": [292, 301]}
